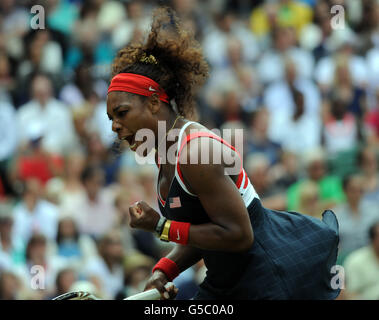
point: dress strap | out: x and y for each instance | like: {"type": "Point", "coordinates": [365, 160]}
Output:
{"type": "Point", "coordinates": [178, 173]}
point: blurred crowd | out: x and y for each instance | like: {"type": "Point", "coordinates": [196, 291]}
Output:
{"type": "Point", "coordinates": [305, 91]}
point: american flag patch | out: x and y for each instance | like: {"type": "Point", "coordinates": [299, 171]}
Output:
{"type": "Point", "coordinates": [175, 203]}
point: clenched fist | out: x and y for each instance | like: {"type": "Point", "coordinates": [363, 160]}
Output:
{"type": "Point", "coordinates": [142, 216]}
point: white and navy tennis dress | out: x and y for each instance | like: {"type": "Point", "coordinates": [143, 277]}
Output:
{"type": "Point", "coordinates": [291, 257]}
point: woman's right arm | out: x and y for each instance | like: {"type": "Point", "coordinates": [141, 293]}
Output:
{"type": "Point", "coordinates": [184, 257]}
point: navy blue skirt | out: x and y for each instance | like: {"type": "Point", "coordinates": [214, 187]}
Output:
{"type": "Point", "coordinates": [291, 258]}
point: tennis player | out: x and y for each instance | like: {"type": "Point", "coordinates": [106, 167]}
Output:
{"type": "Point", "coordinates": [250, 252]}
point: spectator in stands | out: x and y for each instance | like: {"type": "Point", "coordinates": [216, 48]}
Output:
{"type": "Point", "coordinates": [343, 81]}
{"type": "Point", "coordinates": [89, 41]}
{"type": "Point", "coordinates": [90, 119]}
{"type": "Point", "coordinates": [122, 204]}
{"type": "Point", "coordinates": [80, 118]}
{"type": "Point", "coordinates": [61, 16]}
{"type": "Point", "coordinates": [34, 162]}
{"type": "Point", "coordinates": [371, 121]}
{"type": "Point", "coordinates": [346, 50]}
{"type": "Point", "coordinates": [362, 269]}
{"type": "Point", "coordinates": [330, 187]}
{"type": "Point", "coordinates": [126, 184]}
{"type": "Point", "coordinates": [75, 93]}
{"type": "Point", "coordinates": [51, 115]}
{"type": "Point", "coordinates": [2, 191]}
{"type": "Point", "coordinates": [372, 58]}
{"type": "Point", "coordinates": [147, 179]}
{"type": "Point", "coordinates": [215, 41]}
{"type": "Point", "coordinates": [257, 168]}
{"type": "Point", "coordinates": [10, 286]}
{"type": "Point", "coordinates": [191, 13]}
{"type": "Point", "coordinates": [188, 281]}
{"type": "Point", "coordinates": [73, 247]}
{"type": "Point", "coordinates": [309, 200]}
{"type": "Point", "coordinates": [137, 270]}
{"type": "Point", "coordinates": [40, 264]}
{"type": "Point", "coordinates": [257, 138]}
{"type": "Point", "coordinates": [316, 36]}
{"type": "Point", "coordinates": [268, 15]}
{"type": "Point", "coordinates": [63, 282]}
{"type": "Point", "coordinates": [286, 172]}
{"type": "Point", "coordinates": [95, 213]}
{"type": "Point", "coordinates": [236, 72]}
{"type": "Point", "coordinates": [15, 25]}
{"type": "Point", "coordinates": [106, 270]}
{"type": "Point", "coordinates": [135, 26]}
{"type": "Point", "coordinates": [126, 191]}
{"type": "Point", "coordinates": [230, 109]}
{"type": "Point", "coordinates": [100, 124]}
{"type": "Point", "coordinates": [271, 66]}
{"type": "Point", "coordinates": [11, 248]}
{"type": "Point", "coordinates": [99, 155]}
{"type": "Point", "coordinates": [34, 214]}
{"type": "Point", "coordinates": [368, 165]}
{"type": "Point", "coordinates": [342, 130]}
{"type": "Point", "coordinates": [300, 124]}
{"type": "Point", "coordinates": [8, 140]}
{"type": "Point", "coordinates": [73, 190]}
{"type": "Point", "coordinates": [45, 55]}
{"type": "Point", "coordinates": [284, 102]}
{"type": "Point", "coordinates": [354, 217]}
{"type": "Point", "coordinates": [7, 80]}
{"type": "Point", "coordinates": [367, 24]}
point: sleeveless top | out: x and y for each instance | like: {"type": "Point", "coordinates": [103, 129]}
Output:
{"type": "Point", "coordinates": [291, 256]}
{"type": "Point", "coordinates": [243, 183]}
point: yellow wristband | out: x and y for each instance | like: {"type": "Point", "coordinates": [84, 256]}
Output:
{"type": "Point", "coordinates": [165, 232]}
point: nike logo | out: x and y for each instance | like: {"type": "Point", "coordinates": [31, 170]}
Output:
{"type": "Point", "coordinates": [151, 89]}
{"type": "Point", "coordinates": [178, 237]}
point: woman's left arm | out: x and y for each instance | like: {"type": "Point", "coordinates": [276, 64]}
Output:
{"type": "Point", "coordinates": [230, 228]}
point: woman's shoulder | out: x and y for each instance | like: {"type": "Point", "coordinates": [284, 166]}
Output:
{"type": "Point", "coordinates": [193, 127]}
{"type": "Point", "coordinates": [197, 130]}
{"type": "Point", "coordinates": [198, 143]}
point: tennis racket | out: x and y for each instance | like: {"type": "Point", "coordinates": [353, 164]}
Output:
{"type": "Point", "coordinates": [76, 295]}
{"type": "Point", "coordinates": [152, 294]}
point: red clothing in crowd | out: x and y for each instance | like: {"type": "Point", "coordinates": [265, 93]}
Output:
{"type": "Point", "coordinates": [2, 191]}
{"type": "Point", "coordinates": [372, 120]}
{"type": "Point", "coordinates": [39, 167]}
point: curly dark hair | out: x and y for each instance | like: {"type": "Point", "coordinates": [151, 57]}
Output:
{"type": "Point", "coordinates": [180, 67]}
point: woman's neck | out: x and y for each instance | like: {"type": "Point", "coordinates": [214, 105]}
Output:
{"type": "Point", "coordinates": [164, 140]}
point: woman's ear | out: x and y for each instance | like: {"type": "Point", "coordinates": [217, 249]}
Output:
{"type": "Point", "coordinates": [154, 103]}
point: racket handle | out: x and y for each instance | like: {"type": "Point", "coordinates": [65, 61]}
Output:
{"type": "Point", "coordinates": [152, 294]}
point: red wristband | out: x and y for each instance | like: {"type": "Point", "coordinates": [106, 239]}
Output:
{"type": "Point", "coordinates": [179, 232]}
{"type": "Point", "coordinates": [168, 267]}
